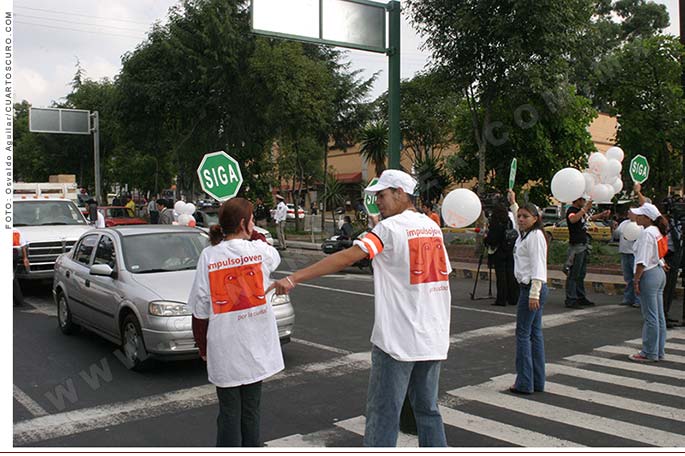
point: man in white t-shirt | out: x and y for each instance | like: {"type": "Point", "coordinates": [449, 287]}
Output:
{"type": "Point", "coordinates": [280, 217]}
{"type": "Point", "coordinates": [412, 311]}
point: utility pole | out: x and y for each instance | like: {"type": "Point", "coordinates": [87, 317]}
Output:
{"type": "Point", "coordinates": [681, 8]}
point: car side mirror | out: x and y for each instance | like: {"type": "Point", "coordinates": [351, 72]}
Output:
{"type": "Point", "coordinates": [102, 270]}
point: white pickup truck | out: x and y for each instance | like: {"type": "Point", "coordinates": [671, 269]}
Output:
{"type": "Point", "coordinates": [50, 227]}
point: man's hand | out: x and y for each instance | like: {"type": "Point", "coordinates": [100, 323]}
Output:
{"type": "Point", "coordinates": [636, 287]}
{"type": "Point", "coordinates": [282, 286]}
{"type": "Point", "coordinates": [533, 304]}
{"type": "Point", "coordinates": [27, 265]}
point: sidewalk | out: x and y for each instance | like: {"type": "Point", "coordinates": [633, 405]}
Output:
{"type": "Point", "coordinates": [611, 284]}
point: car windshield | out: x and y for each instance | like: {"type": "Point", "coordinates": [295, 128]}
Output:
{"type": "Point", "coordinates": [163, 252]}
{"type": "Point", "coordinates": [37, 213]}
{"type": "Point", "coordinates": [117, 212]}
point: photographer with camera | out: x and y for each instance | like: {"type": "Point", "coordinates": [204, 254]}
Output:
{"type": "Point", "coordinates": [675, 210]}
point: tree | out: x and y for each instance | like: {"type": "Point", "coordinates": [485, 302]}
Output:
{"type": "Point", "coordinates": [374, 144]}
{"type": "Point", "coordinates": [333, 195]}
{"type": "Point", "coordinates": [645, 87]}
{"type": "Point", "coordinates": [542, 141]}
{"type": "Point", "coordinates": [492, 49]}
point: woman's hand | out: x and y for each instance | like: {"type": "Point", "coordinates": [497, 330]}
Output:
{"type": "Point", "coordinates": [511, 196]}
{"type": "Point", "coordinates": [533, 304]}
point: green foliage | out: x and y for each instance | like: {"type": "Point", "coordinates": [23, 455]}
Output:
{"type": "Point", "coordinates": [432, 178]}
{"type": "Point", "coordinates": [644, 83]}
{"type": "Point", "coordinates": [543, 135]}
{"type": "Point", "coordinates": [374, 144]}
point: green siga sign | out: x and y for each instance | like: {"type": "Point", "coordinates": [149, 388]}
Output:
{"type": "Point", "coordinates": [512, 174]}
{"type": "Point", "coordinates": [370, 200]}
{"type": "Point", "coordinates": [220, 175]}
{"type": "Point", "coordinates": [639, 169]}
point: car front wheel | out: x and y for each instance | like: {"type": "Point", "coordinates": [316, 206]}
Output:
{"type": "Point", "coordinates": [132, 344]}
{"type": "Point", "coordinates": [66, 325]}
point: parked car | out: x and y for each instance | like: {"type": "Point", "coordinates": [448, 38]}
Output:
{"type": "Point", "coordinates": [118, 215]}
{"type": "Point", "coordinates": [50, 227]}
{"type": "Point", "coordinates": [130, 284]}
{"type": "Point", "coordinates": [208, 217]}
{"type": "Point", "coordinates": [291, 212]}
{"type": "Point", "coordinates": [551, 215]}
{"type": "Point", "coordinates": [598, 231]}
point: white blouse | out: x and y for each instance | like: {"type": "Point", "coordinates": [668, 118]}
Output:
{"type": "Point", "coordinates": [646, 249]}
{"type": "Point", "coordinates": [530, 257]}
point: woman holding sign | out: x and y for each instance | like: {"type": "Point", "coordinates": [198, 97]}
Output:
{"type": "Point", "coordinates": [530, 269]}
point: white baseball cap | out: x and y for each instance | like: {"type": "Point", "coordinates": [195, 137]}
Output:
{"type": "Point", "coordinates": [393, 178]}
{"type": "Point", "coordinates": [647, 209]}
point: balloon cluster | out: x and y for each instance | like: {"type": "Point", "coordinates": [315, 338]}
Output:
{"type": "Point", "coordinates": [600, 182]}
{"type": "Point", "coordinates": [185, 213]}
{"type": "Point", "coordinates": [461, 207]}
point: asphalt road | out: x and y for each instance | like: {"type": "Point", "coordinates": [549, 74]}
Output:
{"type": "Point", "coordinates": [72, 391]}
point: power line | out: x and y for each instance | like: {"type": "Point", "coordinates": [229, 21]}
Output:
{"type": "Point", "coordinates": [80, 31]}
{"type": "Point", "coordinates": [82, 15]}
{"type": "Point", "coordinates": [80, 23]}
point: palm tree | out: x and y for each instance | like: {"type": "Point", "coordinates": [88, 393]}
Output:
{"type": "Point", "coordinates": [374, 141]}
{"type": "Point", "coordinates": [333, 195]}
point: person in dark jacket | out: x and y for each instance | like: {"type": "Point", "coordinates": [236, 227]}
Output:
{"type": "Point", "coordinates": [502, 256]}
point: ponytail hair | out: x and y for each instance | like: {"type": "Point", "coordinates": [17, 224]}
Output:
{"type": "Point", "coordinates": [215, 234]}
{"type": "Point", "coordinates": [662, 224]}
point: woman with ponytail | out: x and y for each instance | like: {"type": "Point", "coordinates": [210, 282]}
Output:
{"type": "Point", "coordinates": [650, 280]}
{"type": "Point", "coordinates": [233, 323]}
{"type": "Point", "coordinates": [530, 270]}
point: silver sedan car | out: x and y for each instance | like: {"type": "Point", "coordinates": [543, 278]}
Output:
{"type": "Point", "coordinates": [130, 284]}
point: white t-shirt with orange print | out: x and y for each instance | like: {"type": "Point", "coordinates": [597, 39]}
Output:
{"type": "Point", "coordinates": [411, 287]}
{"type": "Point", "coordinates": [242, 336]}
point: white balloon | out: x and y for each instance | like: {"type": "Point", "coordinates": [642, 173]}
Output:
{"type": "Point", "coordinates": [590, 181]}
{"type": "Point", "coordinates": [611, 170]}
{"type": "Point", "coordinates": [568, 185]}
{"type": "Point", "coordinates": [460, 208]}
{"type": "Point", "coordinates": [602, 193]}
{"type": "Point", "coordinates": [617, 185]}
{"type": "Point", "coordinates": [184, 219]}
{"type": "Point", "coordinates": [178, 207]}
{"type": "Point", "coordinates": [189, 209]}
{"type": "Point", "coordinates": [615, 153]}
{"type": "Point", "coordinates": [597, 162]}
{"type": "Point", "coordinates": [631, 231]}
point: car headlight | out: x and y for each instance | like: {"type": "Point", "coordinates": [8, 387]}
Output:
{"type": "Point", "coordinates": [168, 309]}
{"type": "Point", "coordinates": [277, 300]}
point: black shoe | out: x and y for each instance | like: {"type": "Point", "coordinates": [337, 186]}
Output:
{"type": "Point", "coordinates": [497, 304]}
{"type": "Point", "coordinates": [586, 303]}
{"type": "Point", "coordinates": [573, 305]}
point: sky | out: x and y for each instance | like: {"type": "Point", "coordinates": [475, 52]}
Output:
{"type": "Point", "coordinates": [51, 37]}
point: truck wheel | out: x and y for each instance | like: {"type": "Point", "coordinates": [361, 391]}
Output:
{"type": "Point", "coordinates": [66, 325]}
{"type": "Point", "coordinates": [132, 344]}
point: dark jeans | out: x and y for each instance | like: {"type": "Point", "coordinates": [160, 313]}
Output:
{"type": "Point", "coordinates": [238, 420]}
{"type": "Point", "coordinates": [575, 283]}
{"type": "Point", "coordinates": [673, 261]}
{"type": "Point", "coordinates": [507, 286]}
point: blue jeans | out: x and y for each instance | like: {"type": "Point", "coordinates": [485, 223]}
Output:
{"type": "Point", "coordinates": [652, 285]}
{"type": "Point", "coordinates": [530, 345]}
{"type": "Point", "coordinates": [628, 263]}
{"type": "Point", "coordinates": [575, 283]}
{"type": "Point", "coordinates": [390, 381]}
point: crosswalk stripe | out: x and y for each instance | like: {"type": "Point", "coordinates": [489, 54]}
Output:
{"type": "Point", "coordinates": [646, 368]}
{"type": "Point", "coordinates": [647, 408]}
{"type": "Point", "coordinates": [490, 393]}
{"type": "Point", "coordinates": [297, 440]}
{"type": "Point", "coordinates": [617, 350]}
{"type": "Point", "coordinates": [357, 424]}
{"type": "Point", "coordinates": [662, 388]}
{"type": "Point", "coordinates": [667, 345]}
{"type": "Point", "coordinates": [501, 431]}
{"type": "Point", "coordinates": [32, 406]}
